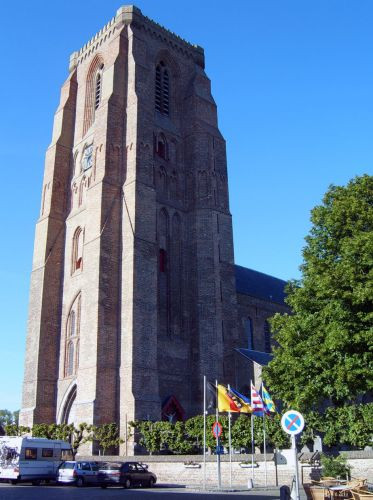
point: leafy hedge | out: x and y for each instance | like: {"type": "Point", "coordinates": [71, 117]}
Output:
{"type": "Point", "coordinates": [346, 425]}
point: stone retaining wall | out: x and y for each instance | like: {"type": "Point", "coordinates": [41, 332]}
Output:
{"type": "Point", "coordinates": [189, 469]}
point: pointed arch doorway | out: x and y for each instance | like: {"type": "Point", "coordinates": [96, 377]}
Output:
{"type": "Point", "coordinates": [69, 407]}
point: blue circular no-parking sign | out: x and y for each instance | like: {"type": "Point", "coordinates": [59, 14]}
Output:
{"type": "Point", "coordinates": [292, 422]}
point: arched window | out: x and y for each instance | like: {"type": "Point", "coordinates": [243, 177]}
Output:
{"type": "Point", "coordinates": [162, 260]}
{"type": "Point", "coordinates": [98, 90]}
{"type": "Point", "coordinates": [72, 338]}
{"type": "Point", "coordinates": [71, 329]}
{"type": "Point", "coordinates": [70, 359]}
{"type": "Point", "coordinates": [77, 355]}
{"type": "Point", "coordinates": [77, 251]}
{"type": "Point", "coordinates": [267, 337]}
{"type": "Point", "coordinates": [161, 147]}
{"type": "Point", "coordinates": [93, 92]}
{"type": "Point", "coordinates": [249, 333]}
{"type": "Point", "coordinates": [162, 181]}
{"type": "Point", "coordinates": [163, 232]}
{"type": "Point", "coordinates": [162, 89]}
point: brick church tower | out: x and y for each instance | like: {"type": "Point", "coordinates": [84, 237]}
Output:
{"type": "Point", "coordinates": [133, 294]}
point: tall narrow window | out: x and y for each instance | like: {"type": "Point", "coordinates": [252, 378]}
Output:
{"type": "Point", "coordinates": [162, 89]}
{"type": "Point", "coordinates": [93, 93]}
{"type": "Point", "coordinates": [162, 260]}
{"type": "Point", "coordinates": [163, 233]}
{"type": "Point", "coordinates": [98, 90]}
{"type": "Point", "coordinates": [166, 92]}
{"type": "Point", "coordinates": [72, 324]}
{"type": "Point", "coordinates": [249, 333]}
{"type": "Point", "coordinates": [161, 147]}
{"type": "Point", "coordinates": [267, 337]}
{"type": "Point", "coordinates": [70, 359]}
{"type": "Point", "coordinates": [77, 355]}
{"type": "Point", "coordinates": [158, 89]}
{"type": "Point", "coordinates": [72, 338]}
{"type": "Point", "coordinates": [77, 250]}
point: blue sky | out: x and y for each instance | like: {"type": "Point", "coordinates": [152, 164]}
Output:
{"type": "Point", "coordinates": [293, 82]}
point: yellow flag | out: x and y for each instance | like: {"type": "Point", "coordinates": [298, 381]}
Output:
{"type": "Point", "coordinates": [227, 401]}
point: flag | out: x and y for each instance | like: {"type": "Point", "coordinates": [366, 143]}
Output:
{"type": "Point", "coordinates": [256, 402]}
{"type": "Point", "coordinates": [210, 397]}
{"type": "Point", "coordinates": [269, 405]}
{"type": "Point", "coordinates": [241, 401]}
{"type": "Point", "coordinates": [225, 401]}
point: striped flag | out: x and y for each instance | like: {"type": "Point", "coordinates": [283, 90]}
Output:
{"type": "Point", "coordinates": [241, 401]}
{"type": "Point", "coordinates": [256, 402]}
{"type": "Point", "coordinates": [269, 405]}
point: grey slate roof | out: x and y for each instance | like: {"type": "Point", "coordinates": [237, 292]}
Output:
{"type": "Point", "coordinates": [260, 285]}
{"type": "Point", "coordinates": [262, 358]}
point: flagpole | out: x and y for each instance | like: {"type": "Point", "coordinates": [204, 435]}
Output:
{"type": "Point", "coordinates": [217, 437]}
{"type": "Point", "coordinates": [264, 441]}
{"type": "Point", "coordinates": [230, 444]}
{"type": "Point", "coordinates": [204, 432]}
{"type": "Point", "coordinates": [252, 437]}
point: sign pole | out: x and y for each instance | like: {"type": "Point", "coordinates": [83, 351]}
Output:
{"type": "Point", "coordinates": [292, 422]}
{"type": "Point", "coordinates": [294, 446]}
{"type": "Point", "coordinates": [204, 432]}
{"type": "Point", "coordinates": [217, 437]}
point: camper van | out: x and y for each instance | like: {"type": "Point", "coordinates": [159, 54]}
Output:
{"type": "Point", "coordinates": [31, 459]}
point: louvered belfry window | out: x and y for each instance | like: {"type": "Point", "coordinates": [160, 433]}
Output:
{"type": "Point", "coordinates": [98, 91]}
{"type": "Point", "coordinates": [162, 89]}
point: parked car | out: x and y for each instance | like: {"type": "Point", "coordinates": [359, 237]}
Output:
{"type": "Point", "coordinates": [80, 473]}
{"type": "Point", "coordinates": [31, 459]}
{"type": "Point", "coordinates": [126, 474]}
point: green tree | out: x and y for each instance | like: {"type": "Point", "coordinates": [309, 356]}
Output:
{"type": "Point", "coordinates": [179, 441]}
{"type": "Point", "coordinates": [241, 432]}
{"type": "Point", "coordinates": [15, 430]}
{"type": "Point", "coordinates": [194, 428]}
{"type": "Point", "coordinates": [335, 466]}
{"type": "Point", "coordinates": [325, 348]}
{"type": "Point", "coordinates": [80, 435]}
{"type": "Point", "coordinates": [107, 436]}
{"type": "Point", "coordinates": [83, 433]}
{"type": "Point", "coordinates": [152, 434]}
{"type": "Point", "coordinates": [7, 418]}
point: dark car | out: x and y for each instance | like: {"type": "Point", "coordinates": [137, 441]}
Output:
{"type": "Point", "coordinates": [126, 474]}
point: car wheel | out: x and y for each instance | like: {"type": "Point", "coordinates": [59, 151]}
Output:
{"type": "Point", "coordinates": [103, 486]}
{"type": "Point", "coordinates": [80, 482]}
{"type": "Point", "coordinates": [127, 483]}
{"type": "Point", "coordinates": [151, 482]}
{"type": "Point", "coordinates": [36, 482]}
{"type": "Point", "coordinates": [14, 481]}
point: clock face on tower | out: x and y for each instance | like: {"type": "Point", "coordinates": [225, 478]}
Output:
{"type": "Point", "coordinates": [87, 159]}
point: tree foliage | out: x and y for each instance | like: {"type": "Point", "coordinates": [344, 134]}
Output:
{"type": "Point", "coordinates": [8, 417]}
{"type": "Point", "coordinates": [107, 436]}
{"type": "Point", "coordinates": [335, 466]}
{"type": "Point", "coordinates": [325, 348]}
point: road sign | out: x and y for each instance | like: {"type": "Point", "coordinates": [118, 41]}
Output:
{"type": "Point", "coordinates": [292, 422]}
{"type": "Point", "coordinates": [217, 429]}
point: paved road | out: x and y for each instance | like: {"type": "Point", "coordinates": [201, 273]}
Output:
{"type": "Point", "coordinates": [24, 491]}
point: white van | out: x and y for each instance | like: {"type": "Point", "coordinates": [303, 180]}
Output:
{"type": "Point", "coordinates": [31, 459]}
